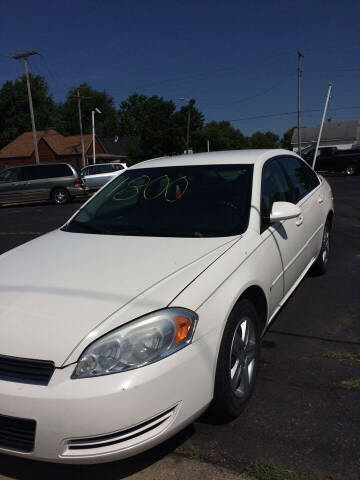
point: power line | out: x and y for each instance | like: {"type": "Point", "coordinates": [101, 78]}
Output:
{"type": "Point", "coordinates": [262, 92]}
{"type": "Point", "coordinates": [237, 66]}
{"type": "Point", "coordinates": [282, 114]}
{"type": "Point", "coordinates": [48, 68]}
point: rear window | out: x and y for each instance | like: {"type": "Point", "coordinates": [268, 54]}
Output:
{"type": "Point", "coordinates": [39, 172]}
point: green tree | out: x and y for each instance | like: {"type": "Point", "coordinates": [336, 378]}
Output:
{"type": "Point", "coordinates": [151, 121]}
{"type": "Point", "coordinates": [107, 124]}
{"type": "Point", "coordinates": [14, 107]}
{"type": "Point", "coordinates": [286, 138]}
{"type": "Point", "coordinates": [221, 135]}
{"type": "Point", "coordinates": [264, 140]}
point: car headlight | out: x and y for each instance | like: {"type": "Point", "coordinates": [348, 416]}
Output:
{"type": "Point", "coordinates": [138, 343]}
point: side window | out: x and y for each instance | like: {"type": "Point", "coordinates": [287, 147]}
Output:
{"type": "Point", "coordinates": [10, 175]}
{"type": "Point", "coordinates": [63, 171]}
{"type": "Point", "coordinates": [104, 168]}
{"type": "Point", "coordinates": [302, 177]}
{"type": "Point", "coordinates": [56, 170]}
{"type": "Point", "coordinates": [274, 188]}
{"type": "Point", "coordinates": [94, 170]}
{"type": "Point", "coordinates": [30, 173]}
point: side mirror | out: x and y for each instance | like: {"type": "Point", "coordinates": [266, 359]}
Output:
{"type": "Point", "coordinates": [283, 211]}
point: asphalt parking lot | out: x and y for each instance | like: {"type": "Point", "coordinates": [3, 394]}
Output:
{"type": "Point", "coordinates": [305, 412]}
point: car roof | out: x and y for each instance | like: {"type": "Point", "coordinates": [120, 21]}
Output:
{"type": "Point", "coordinates": [109, 163]}
{"type": "Point", "coordinates": [41, 164]}
{"type": "Point", "coordinates": [211, 158]}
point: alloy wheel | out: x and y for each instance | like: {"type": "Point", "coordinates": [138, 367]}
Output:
{"type": "Point", "coordinates": [243, 357]}
{"type": "Point", "coordinates": [60, 197]}
{"type": "Point", "coordinates": [350, 170]}
{"type": "Point", "coordinates": [326, 245]}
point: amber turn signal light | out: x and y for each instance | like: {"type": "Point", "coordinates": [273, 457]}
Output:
{"type": "Point", "coordinates": [183, 326]}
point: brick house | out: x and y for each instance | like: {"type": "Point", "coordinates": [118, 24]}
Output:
{"type": "Point", "coordinates": [52, 146]}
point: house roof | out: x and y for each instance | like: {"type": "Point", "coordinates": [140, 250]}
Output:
{"type": "Point", "coordinates": [23, 145]}
{"type": "Point", "coordinates": [116, 145]}
{"type": "Point", "coordinates": [332, 131]}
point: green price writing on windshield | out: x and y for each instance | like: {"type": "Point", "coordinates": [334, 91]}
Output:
{"type": "Point", "coordinates": [172, 190]}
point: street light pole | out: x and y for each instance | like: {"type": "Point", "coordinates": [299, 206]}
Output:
{"type": "Point", "coordinates": [25, 56]}
{"type": "Point", "coordinates": [93, 131]}
{"type": "Point", "coordinates": [300, 56]}
{"type": "Point", "coordinates": [322, 124]}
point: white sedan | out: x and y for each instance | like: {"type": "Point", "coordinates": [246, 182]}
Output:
{"type": "Point", "coordinates": [148, 305]}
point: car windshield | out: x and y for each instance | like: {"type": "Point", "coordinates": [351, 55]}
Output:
{"type": "Point", "coordinates": [176, 201]}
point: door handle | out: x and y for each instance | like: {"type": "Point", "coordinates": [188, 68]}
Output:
{"type": "Point", "coordinates": [300, 220]}
{"type": "Point", "coordinates": [320, 199]}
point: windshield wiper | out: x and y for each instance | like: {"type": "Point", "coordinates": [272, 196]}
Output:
{"type": "Point", "coordinates": [87, 226]}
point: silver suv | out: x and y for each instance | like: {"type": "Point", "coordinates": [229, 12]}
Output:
{"type": "Point", "coordinates": [95, 176]}
{"type": "Point", "coordinates": [59, 182]}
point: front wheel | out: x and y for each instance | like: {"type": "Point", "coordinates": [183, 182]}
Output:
{"type": "Point", "coordinates": [351, 169]}
{"type": "Point", "coordinates": [237, 362]}
{"type": "Point", "coordinates": [60, 196]}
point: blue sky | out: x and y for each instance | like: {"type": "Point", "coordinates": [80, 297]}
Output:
{"type": "Point", "coordinates": [237, 59]}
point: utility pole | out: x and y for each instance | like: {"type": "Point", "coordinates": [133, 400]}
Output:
{"type": "Point", "coordinates": [191, 104]}
{"type": "Point", "coordinates": [79, 98]}
{"type": "Point", "coordinates": [81, 129]}
{"type": "Point", "coordinates": [25, 56]}
{"type": "Point", "coordinates": [322, 124]}
{"type": "Point", "coordinates": [300, 56]}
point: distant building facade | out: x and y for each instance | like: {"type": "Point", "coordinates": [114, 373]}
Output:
{"type": "Point", "coordinates": [52, 147]}
{"type": "Point", "coordinates": [343, 135]}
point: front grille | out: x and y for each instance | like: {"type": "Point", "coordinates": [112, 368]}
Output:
{"type": "Point", "coordinates": [25, 370]}
{"type": "Point", "coordinates": [17, 433]}
{"type": "Point", "coordinates": [123, 435]}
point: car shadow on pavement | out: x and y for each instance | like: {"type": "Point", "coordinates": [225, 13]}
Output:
{"type": "Point", "coordinates": [24, 469]}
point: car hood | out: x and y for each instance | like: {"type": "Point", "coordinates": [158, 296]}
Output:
{"type": "Point", "coordinates": [58, 288]}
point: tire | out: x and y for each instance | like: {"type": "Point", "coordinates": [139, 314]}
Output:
{"type": "Point", "coordinates": [320, 265]}
{"type": "Point", "coordinates": [60, 196]}
{"type": "Point", "coordinates": [237, 363]}
{"type": "Point", "coordinates": [351, 169]}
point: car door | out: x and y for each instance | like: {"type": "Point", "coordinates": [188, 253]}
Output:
{"type": "Point", "coordinates": [104, 174]}
{"type": "Point", "coordinates": [287, 236]}
{"type": "Point", "coordinates": [325, 160]}
{"type": "Point", "coordinates": [34, 186]}
{"type": "Point", "coordinates": [92, 176]}
{"type": "Point", "coordinates": [10, 185]}
{"type": "Point", "coordinates": [308, 196]}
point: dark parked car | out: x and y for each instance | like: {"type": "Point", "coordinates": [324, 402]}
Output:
{"type": "Point", "coordinates": [330, 159]}
{"type": "Point", "coordinates": [59, 182]}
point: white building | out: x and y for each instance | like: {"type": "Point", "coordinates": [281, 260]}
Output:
{"type": "Point", "coordinates": [343, 135]}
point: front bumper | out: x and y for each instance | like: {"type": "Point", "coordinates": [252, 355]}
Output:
{"type": "Point", "coordinates": [115, 416]}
